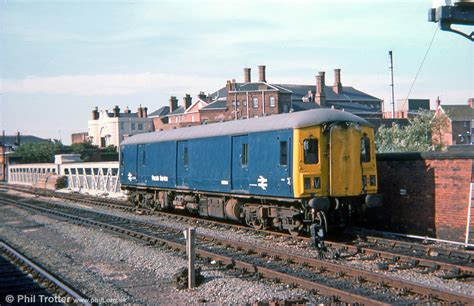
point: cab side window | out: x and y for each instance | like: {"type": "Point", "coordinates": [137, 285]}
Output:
{"type": "Point", "coordinates": [283, 153]}
{"type": "Point", "coordinates": [365, 149]}
{"type": "Point", "coordinates": [310, 149]}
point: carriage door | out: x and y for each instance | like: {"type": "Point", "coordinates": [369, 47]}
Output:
{"type": "Point", "coordinates": [182, 162]}
{"type": "Point", "coordinates": [345, 170]}
{"type": "Point", "coordinates": [128, 164]}
{"type": "Point", "coordinates": [240, 161]}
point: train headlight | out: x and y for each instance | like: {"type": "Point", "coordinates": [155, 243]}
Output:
{"type": "Point", "coordinates": [307, 183]}
{"type": "Point", "coordinates": [372, 180]}
{"type": "Point", "coordinates": [317, 182]}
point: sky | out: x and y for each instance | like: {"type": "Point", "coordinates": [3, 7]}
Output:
{"type": "Point", "coordinates": [60, 59]}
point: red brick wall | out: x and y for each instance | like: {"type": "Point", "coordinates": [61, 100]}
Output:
{"type": "Point", "coordinates": [424, 194]}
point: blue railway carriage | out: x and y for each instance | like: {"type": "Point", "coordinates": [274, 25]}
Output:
{"type": "Point", "coordinates": [289, 171]}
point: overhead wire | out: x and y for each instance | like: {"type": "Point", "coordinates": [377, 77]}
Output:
{"type": "Point", "coordinates": [421, 65]}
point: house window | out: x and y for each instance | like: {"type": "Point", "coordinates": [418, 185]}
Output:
{"type": "Point", "coordinates": [310, 149]}
{"type": "Point", "coordinates": [255, 102]}
{"type": "Point", "coordinates": [272, 101]}
{"type": "Point", "coordinates": [133, 126]}
{"type": "Point", "coordinates": [140, 126]}
{"type": "Point", "coordinates": [122, 126]}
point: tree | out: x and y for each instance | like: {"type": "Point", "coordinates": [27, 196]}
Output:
{"type": "Point", "coordinates": [415, 137]}
{"type": "Point", "coordinates": [38, 152]}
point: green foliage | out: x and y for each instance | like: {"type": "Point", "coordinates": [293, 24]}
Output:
{"type": "Point", "coordinates": [38, 152]}
{"type": "Point", "coordinates": [416, 137]}
{"type": "Point", "coordinates": [86, 149]}
{"type": "Point", "coordinates": [44, 152]}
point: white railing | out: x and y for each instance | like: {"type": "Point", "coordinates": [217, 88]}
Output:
{"type": "Point", "coordinates": [28, 174]}
{"type": "Point", "coordinates": [101, 177]}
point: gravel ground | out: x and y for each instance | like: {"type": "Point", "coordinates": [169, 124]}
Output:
{"type": "Point", "coordinates": [105, 266]}
{"type": "Point", "coordinates": [300, 248]}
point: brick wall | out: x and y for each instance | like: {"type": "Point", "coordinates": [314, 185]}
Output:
{"type": "Point", "coordinates": [424, 194]}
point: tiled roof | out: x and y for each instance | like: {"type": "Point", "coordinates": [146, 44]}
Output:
{"type": "Point", "coordinates": [178, 111]}
{"type": "Point", "coordinates": [348, 94]}
{"type": "Point", "coordinates": [162, 111]}
{"type": "Point", "coordinates": [354, 108]}
{"type": "Point", "coordinates": [459, 112]}
{"type": "Point", "coordinates": [23, 139]}
{"type": "Point", "coordinates": [220, 104]}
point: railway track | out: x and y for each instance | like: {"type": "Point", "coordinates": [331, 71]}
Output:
{"type": "Point", "coordinates": [24, 281]}
{"type": "Point", "coordinates": [339, 282]}
{"type": "Point", "coordinates": [394, 254]}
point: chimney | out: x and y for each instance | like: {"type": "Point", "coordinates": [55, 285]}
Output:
{"type": "Point", "coordinates": [116, 111]}
{"type": "Point", "coordinates": [438, 102]}
{"type": "Point", "coordinates": [247, 76]}
{"type": "Point", "coordinates": [145, 112]}
{"type": "Point", "coordinates": [261, 74]}
{"type": "Point", "coordinates": [126, 110]}
{"type": "Point", "coordinates": [337, 87]}
{"type": "Point", "coordinates": [230, 85]}
{"type": "Point", "coordinates": [187, 101]}
{"type": "Point", "coordinates": [470, 102]}
{"type": "Point", "coordinates": [320, 97]}
{"type": "Point", "coordinates": [140, 112]}
{"type": "Point", "coordinates": [173, 104]}
{"type": "Point", "coordinates": [95, 113]}
{"type": "Point", "coordinates": [202, 96]}
{"type": "Point", "coordinates": [17, 142]}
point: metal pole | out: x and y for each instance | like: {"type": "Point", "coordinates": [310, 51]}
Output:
{"type": "Point", "coordinates": [4, 162]}
{"type": "Point", "coordinates": [391, 84]}
{"type": "Point", "coordinates": [189, 235]}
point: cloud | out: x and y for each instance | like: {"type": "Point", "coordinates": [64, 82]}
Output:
{"type": "Point", "coordinates": [109, 84]}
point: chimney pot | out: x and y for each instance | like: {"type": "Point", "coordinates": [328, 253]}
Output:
{"type": "Point", "coordinates": [116, 111]}
{"type": "Point", "coordinates": [470, 102]}
{"type": "Point", "coordinates": [187, 101]}
{"type": "Point", "coordinates": [261, 74]}
{"type": "Point", "coordinates": [337, 87]}
{"type": "Point", "coordinates": [95, 113]}
{"type": "Point", "coordinates": [247, 75]}
{"type": "Point", "coordinates": [320, 97]}
{"type": "Point", "coordinates": [18, 143]}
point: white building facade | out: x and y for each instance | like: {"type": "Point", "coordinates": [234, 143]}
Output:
{"type": "Point", "coordinates": [107, 128]}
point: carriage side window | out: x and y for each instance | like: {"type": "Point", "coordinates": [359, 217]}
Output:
{"type": "Point", "coordinates": [365, 149]}
{"type": "Point", "coordinates": [310, 148]}
{"type": "Point", "coordinates": [244, 158]}
{"type": "Point", "coordinates": [143, 158]}
{"type": "Point", "coordinates": [185, 157]}
{"type": "Point", "coordinates": [283, 153]}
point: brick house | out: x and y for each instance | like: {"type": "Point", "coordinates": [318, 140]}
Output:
{"type": "Point", "coordinates": [247, 99]}
{"type": "Point", "coordinates": [460, 122]}
{"type": "Point", "coordinates": [255, 99]}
